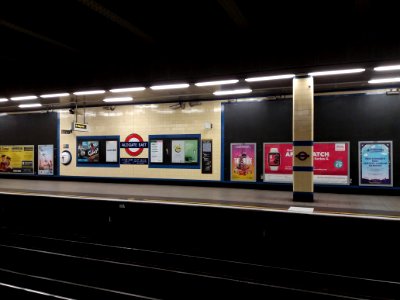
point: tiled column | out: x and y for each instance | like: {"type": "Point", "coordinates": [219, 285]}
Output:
{"type": "Point", "coordinates": [303, 138]}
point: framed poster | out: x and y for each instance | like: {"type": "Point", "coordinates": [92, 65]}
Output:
{"type": "Point", "coordinates": [331, 162]}
{"type": "Point", "coordinates": [97, 151]}
{"type": "Point", "coordinates": [17, 159]}
{"type": "Point", "coordinates": [45, 160]}
{"type": "Point", "coordinates": [375, 163]}
{"type": "Point", "coordinates": [156, 151]}
{"type": "Point", "coordinates": [180, 151]}
{"type": "Point", "coordinates": [243, 162]}
{"type": "Point", "coordinates": [206, 156]}
{"type": "Point", "coordinates": [184, 151]}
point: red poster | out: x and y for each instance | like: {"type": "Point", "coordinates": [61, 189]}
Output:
{"type": "Point", "coordinates": [331, 163]}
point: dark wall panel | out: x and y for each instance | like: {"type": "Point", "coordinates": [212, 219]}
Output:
{"type": "Point", "coordinates": [30, 129]}
{"type": "Point", "coordinates": [256, 122]}
{"type": "Point", "coordinates": [350, 118]}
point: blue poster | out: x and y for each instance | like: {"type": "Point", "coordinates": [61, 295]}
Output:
{"type": "Point", "coordinates": [376, 163]}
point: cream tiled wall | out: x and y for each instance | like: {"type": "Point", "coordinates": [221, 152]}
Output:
{"type": "Point", "coordinates": [145, 120]}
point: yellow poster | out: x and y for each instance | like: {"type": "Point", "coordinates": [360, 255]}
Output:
{"type": "Point", "coordinates": [17, 159]}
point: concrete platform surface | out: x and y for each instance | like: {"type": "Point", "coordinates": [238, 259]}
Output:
{"type": "Point", "coordinates": [371, 206]}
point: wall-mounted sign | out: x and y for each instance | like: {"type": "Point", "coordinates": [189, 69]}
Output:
{"type": "Point", "coordinates": [331, 162]}
{"type": "Point", "coordinates": [375, 163]}
{"type": "Point", "coordinates": [243, 162]}
{"type": "Point", "coordinates": [45, 160]}
{"type": "Point", "coordinates": [66, 157]}
{"type": "Point", "coordinates": [206, 157]}
{"type": "Point", "coordinates": [17, 159]}
{"type": "Point", "coordinates": [80, 127]}
{"type": "Point", "coordinates": [134, 144]}
{"type": "Point", "coordinates": [134, 161]}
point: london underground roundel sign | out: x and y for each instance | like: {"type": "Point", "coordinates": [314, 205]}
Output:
{"type": "Point", "coordinates": [134, 138]}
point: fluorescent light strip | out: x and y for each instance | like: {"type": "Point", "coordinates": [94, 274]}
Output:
{"type": "Point", "coordinates": [219, 82]}
{"type": "Point", "coordinates": [30, 105]}
{"type": "Point", "coordinates": [3, 99]}
{"type": "Point", "coordinates": [89, 92]}
{"type": "Point", "coordinates": [232, 92]}
{"type": "Point", "coordinates": [387, 68]}
{"type": "Point", "coordinates": [384, 80]}
{"type": "Point", "coordinates": [23, 98]}
{"type": "Point", "coordinates": [267, 78]}
{"type": "Point", "coordinates": [130, 89]}
{"type": "Point", "coordinates": [120, 99]}
{"type": "Point", "coordinates": [170, 86]}
{"type": "Point", "coordinates": [336, 72]}
{"type": "Point", "coordinates": [54, 95]}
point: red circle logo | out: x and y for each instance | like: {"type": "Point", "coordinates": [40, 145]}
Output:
{"type": "Point", "coordinates": [134, 138]}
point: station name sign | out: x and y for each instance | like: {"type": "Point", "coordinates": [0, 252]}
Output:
{"type": "Point", "coordinates": [134, 144]}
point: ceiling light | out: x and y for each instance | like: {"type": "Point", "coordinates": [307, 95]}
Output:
{"type": "Point", "coordinates": [54, 95]}
{"type": "Point", "coordinates": [384, 80]}
{"type": "Point", "coordinates": [170, 86]}
{"type": "Point", "coordinates": [23, 98]}
{"type": "Point", "coordinates": [30, 105]}
{"type": "Point", "coordinates": [232, 92]}
{"type": "Point", "coordinates": [120, 99]}
{"type": "Point", "coordinates": [387, 68]}
{"type": "Point", "coordinates": [219, 82]}
{"type": "Point", "coordinates": [3, 99]}
{"type": "Point", "coordinates": [130, 89]}
{"type": "Point", "coordinates": [267, 78]}
{"type": "Point", "coordinates": [89, 92]}
{"type": "Point", "coordinates": [336, 72]}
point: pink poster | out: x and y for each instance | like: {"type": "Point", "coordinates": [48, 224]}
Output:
{"type": "Point", "coordinates": [331, 162]}
{"type": "Point", "coordinates": [243, 162]}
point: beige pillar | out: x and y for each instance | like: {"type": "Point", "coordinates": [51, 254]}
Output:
{"type": "Point", "coordinates": [303, 138]}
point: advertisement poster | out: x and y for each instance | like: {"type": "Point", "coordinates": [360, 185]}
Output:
{"type": "Point", "coordinates": [243, 162]}
{"type": "Point", "coordinates": [17, 159]}
{"type": "Point", "coordinates": [88, 151]}
{"type": "Point", "coordinates": [331, 162]}
{"type": "Point", "coordinates": [184, 151]}
{"type": "Point", "coordinates": [111, 151]}
{"type": "Point", "coordinates": [156, 151]}
{"type": "Point", "coordinates": [45, 160]}
{"type": "Point", "coordinates": [206, 157]}
{"type": "Point", "coordinates": [375, 163]}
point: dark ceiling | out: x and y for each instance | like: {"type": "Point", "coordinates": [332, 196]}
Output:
{"type": "Point", "coordinates": [70, 44]}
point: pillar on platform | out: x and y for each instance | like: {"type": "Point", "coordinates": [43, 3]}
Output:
{"type": "Point", "coordinates": [303, 138]}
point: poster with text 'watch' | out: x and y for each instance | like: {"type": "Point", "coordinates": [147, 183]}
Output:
{"type": "Point", "coordinates": [375, 163]}
{"type": "Point", "coordinates": [331, 162]}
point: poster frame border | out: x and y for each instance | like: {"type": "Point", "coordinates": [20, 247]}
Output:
{"type": "Point", "coordinates": [391, 164]}
{"type": "Point", "coordinates": [255, 163]}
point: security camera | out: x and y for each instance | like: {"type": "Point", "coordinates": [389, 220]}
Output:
{"type": "Point", "coordinates": [72, 111]}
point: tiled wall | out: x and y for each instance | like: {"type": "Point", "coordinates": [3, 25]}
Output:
{"type": "Point", "coordinates": [145, 120]}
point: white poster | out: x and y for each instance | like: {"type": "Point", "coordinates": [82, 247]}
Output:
{"type": "Point", "coordinates": [156, 151]}
{"type": "Point", "coordinates": [178, 151]}
{"type": "Point", "coordinates": [45, 159]}
{"type": "Point", "coordinates": [111, 151]}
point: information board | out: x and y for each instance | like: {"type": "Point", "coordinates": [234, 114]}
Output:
{"type": "Point", "coordinates": [375, 163]}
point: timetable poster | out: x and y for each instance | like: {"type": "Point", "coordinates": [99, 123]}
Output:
{"type": "Point", "coordinates": [243, 162]}
{"type": "Point", "coordinates": [375, 163]}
